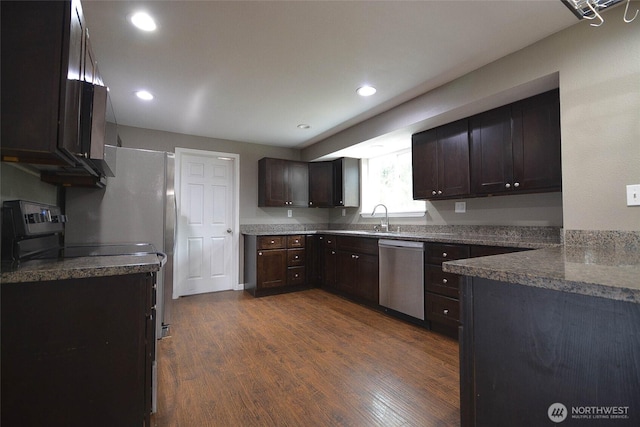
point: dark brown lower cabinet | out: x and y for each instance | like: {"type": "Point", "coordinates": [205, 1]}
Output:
{"type": "Point", "coordinates": [529, 356]}
{"type": "Point", "coordinates": [442, 290]}
{"type": "Point", "coordinates": [274, 264]}
{"type": "Point", "coordinates": [356, 263]}
{"type": "Point", "coordinates": [78, 352]}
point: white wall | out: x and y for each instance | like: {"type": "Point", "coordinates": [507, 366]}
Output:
{"type": "Point", "coordinates": [598, 71]}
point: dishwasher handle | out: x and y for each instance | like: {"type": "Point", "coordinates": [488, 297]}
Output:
{"type": "Point", "coordinates": [387, 243]}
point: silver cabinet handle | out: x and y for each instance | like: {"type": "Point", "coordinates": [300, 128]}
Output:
{"type": "Point", "coordinates": [444, 254]}
{"type": "Point", "coordinates": [333, 252]}
{"type": "Point", "coordinates": [516, 184]}
{"type": "Point", "coordinates": [444, 280]}
{"type": "Point", "coordinates": [439, 192]}
{"type": "Point", "coordinates": [507, 185]}
{"type": "Point", "coordinates": [434, 192]}
{"type": "Point", "coordinates": [273, 242]}
{"type": "Point", "coordinates": [310, 203]}
{"type": "Point", "coordinates": [296, 257]}
{"type": "Point", "coordinates": [260, 253]}
{"type": "Point", "coordinates": [445, 311]}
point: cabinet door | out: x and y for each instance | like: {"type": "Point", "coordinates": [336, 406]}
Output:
{"type": "Point", "coordinates": [272, 268]}
{"type": "Point", "coordinates": [424, 161]}
{"type": "Point", "coordinates": [346, 182]}
{"type": "Point", "coordinates": [491, 154]}
{"type": "Point", "coordinates": [346, 272]}
{"type": "Point", "coordinates": [298, 184]}
{"type": "Point", "coordinates": [272, 184]}
{"type": "Point", "coordinates": [320, 184]}
{"type": "Point", "coordinates": [536, 143]}
{"type": "Point", "coordinates": [327, 265]}
{"type": "Point", "coordinates": [453, 159]}
{"type": "Point", "coordinates": [35, 42]}
{"type": "Point", "coordinates": [367, 277]}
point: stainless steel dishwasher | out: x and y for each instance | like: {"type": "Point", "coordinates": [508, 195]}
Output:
{"type": "Point", "coordinates": [402, 276]}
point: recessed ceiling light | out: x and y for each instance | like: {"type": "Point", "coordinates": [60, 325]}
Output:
{"type": "Point", "coordinates": [143, 21]}
{"type": "Point", "coordinates": [144, 95]}
{"type": "Point", "coordinates": [366, 90]}
{"type": "Point", "coordinates": [303, 126]}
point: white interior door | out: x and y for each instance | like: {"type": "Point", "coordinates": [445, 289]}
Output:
{"type": "Point", "coordinates": [206, 258]}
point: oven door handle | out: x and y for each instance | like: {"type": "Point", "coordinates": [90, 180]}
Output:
{"type": "Point", "coordinates": [163, 258]}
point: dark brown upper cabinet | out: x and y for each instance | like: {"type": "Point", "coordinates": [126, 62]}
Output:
{"type": "Point", "coordinates": [440, 161]}
{"type": "Point", "coordinates": [53, 114]}
{"type": "Point", "coordinates": [321, 184]}
{"type": "Point", "coordinates": [516, 148]}
{"type": "Point", "coordinates": [42, 55]}
{"type": "Point", "coordinates": [282, 183]}
{"type": "Point", "coordinates": [334, 183]}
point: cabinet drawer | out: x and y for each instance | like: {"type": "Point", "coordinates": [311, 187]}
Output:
{"type": "Point", "coordinates": [442, 283]}
{"type": "Point", "coordinates": [272, 242]}
{"type": "Point", "coordinates": [295, 276]}
{"type": "Point", "coordinates": [295, 241]}
{"type": "Point", "coordinates": [439, 253]}
{"type": "Point", "coordinates": [442, 310]}
{"type": "Point", "coordinates": [295, 257]}
{"type": "Point", "coordinates": [364, 245]}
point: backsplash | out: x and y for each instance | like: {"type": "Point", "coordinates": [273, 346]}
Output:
{"type": "Point", "coordinates": [604, 239]}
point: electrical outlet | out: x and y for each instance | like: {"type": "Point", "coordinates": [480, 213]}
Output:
{"type": "Point", "coordinates": [289, 213]}
{"type": "Point", "coordinates": [633, 195]}
{"type": "Point", "coordinates": [461, 207]}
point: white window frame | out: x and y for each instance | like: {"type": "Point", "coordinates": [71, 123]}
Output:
{"type": "Point", "coordinates": [368, 204]}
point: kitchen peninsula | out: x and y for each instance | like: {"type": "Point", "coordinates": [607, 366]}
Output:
{"type": "Point", "coordinates": [551, 334]}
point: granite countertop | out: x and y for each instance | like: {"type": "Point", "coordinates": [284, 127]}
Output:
{"type": "Point", "coordinates": [532, 242]}
{"type": "Point", "coordinates": [607, 273]}
{"type": "Point", "coordinates": [82, 267]}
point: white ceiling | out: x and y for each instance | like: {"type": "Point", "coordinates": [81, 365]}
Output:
{"type": "Point", "coordinates": [253, 70]}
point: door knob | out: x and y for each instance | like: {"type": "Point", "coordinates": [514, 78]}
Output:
{"type": "Point", "coordinates": [229, 230]}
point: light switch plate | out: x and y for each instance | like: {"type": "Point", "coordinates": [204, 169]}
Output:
{"type": "Point", "coordinates": [461, 207]}
{"type": "Point", "coordinates": [633, 195]}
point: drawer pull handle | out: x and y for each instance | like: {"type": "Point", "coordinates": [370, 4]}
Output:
{"type": "Point", "coordinates": [296, 257]}
{"type": "Point", "coordinates": [296, 275]}
{"type": "Point", "coordinates": [297, 241]}
{"type": "Point", "coordinates": [444, 254]}
{"type": "Point", "coordinates": [260, 253]}
{"type": "Point", "coordinates": [273, 241]}
{"type": "Point", "coordinates": [444, 280]}
{"type": "Point", "coordinates": [445, 311]}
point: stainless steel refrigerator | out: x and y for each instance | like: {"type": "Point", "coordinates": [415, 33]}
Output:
{"type": "Point", "coordinates": [136, 206]}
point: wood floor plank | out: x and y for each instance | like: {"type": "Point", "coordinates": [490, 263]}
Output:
{"type": "Point", "coordinates": [307, 358]}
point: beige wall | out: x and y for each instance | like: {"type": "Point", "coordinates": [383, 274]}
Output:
{"type": "Point", "coordinates": [598, 71]}
{"type": "Point", "coordinates": [249, 154]}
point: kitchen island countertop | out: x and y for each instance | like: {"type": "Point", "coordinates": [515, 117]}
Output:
{"type": "Point", "coordinates": [81, 267]}
{"type": "Point", "coordinates": [589, 270]}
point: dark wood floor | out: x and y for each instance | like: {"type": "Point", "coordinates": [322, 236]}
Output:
{"type": "Point", "coordinates": [301, 359]}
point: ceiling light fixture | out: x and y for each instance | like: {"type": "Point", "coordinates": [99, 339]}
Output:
{"type": "Point", "coordinates": [303, 126]}
{"type": "Point", "coordinates": [366, 90]}
{"type": "Point", "coordinates": [144, 95]}
{"type": "Point", "coordinates": [143, 21]}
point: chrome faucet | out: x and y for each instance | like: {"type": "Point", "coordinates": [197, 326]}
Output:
{"type": "Point", "coordinates": [384, 222]}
